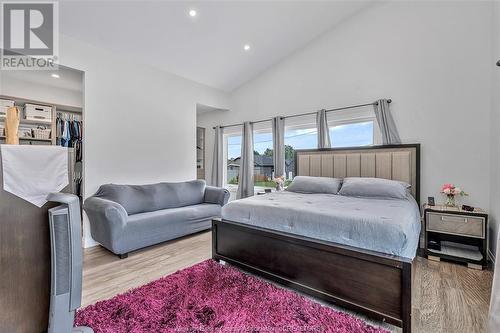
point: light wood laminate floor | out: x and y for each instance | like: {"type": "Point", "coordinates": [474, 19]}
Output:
{"type": "Point", "coordinates": [446, 297]}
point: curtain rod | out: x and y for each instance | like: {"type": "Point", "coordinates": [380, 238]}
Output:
{"type": "Point", "coordinates": [308, 113]}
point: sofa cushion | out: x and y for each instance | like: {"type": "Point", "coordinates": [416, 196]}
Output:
{"type": "Point", "coordinates": [150, 228]}
{"type": "Point", "coordinates": [149, 198]}
{"type": "Point", "coordinates": [186, 214]}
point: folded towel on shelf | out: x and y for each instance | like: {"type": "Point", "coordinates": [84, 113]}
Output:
{"type": "Point", "coordinates": [32, 172]}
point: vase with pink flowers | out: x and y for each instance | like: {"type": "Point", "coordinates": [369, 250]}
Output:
{"type": "Point", "coordinates": [280, 183]}
{"type": "Point", "coordinates": [451, 191]}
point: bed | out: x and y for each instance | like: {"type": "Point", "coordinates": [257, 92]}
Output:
{"type": "Point", "coordinates": [353, 252]}
{"type": "Point", "coordinates": [382, 225]}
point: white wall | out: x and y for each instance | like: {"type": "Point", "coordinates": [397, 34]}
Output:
{"type": "Point", "coordinates": [432, 58]}
{"type": "Point", "coordinates": [495, 130]}
{"type": "Point", "coordinates": [140, 123]}
{"type": "Point", "coordinates": [13, 86]}
{"type": "Point", "coordinates": [494, 319]}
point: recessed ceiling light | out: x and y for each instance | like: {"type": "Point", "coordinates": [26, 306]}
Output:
{"type": "Point", "coordinates": [55, 75]}
{"type": "Point", "coordinates": [246, 47]}
{"type": "Point", "coordinates": [192, 13]}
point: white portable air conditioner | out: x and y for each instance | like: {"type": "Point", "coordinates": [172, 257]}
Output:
{"type": "Point", "coordinates": [67, 262]}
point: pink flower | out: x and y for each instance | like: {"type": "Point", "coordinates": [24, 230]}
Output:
{"type": "Point", "coordinates": [447, 186]}
{"type": "Point", "coordinates": [450, 189]}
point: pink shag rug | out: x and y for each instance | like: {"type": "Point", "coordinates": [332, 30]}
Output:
{"type": "Point", "coordinates": [209, 297]}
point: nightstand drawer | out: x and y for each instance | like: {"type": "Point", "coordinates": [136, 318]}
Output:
{"type": "Point", "coordinates": [456, 224]}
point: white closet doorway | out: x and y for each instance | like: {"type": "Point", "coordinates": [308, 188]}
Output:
{"type": "Point", "coordinates": [52, 112]}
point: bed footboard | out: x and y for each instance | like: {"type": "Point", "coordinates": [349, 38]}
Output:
{"type": "Point", "coordinates": [368, 282]}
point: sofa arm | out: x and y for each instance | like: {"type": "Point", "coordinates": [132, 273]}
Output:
{"type": "Point", "coordinates": [216, 195]}
{"type": "Point", "coordinates": [107, 220]}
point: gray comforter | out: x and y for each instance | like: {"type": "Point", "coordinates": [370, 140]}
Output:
{"type": "Point", "coordinates": [389, 226]}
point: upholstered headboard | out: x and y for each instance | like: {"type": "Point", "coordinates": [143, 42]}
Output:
{"type": "Point", "coordinates": [396, 162]}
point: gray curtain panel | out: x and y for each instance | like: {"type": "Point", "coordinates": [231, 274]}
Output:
{"type": "Point", "coordinates": [218, 159]}
{"type": "Point", "coordinates": [279, 146]}
{"type": "Point", "coordinates": [323, 132]}
{"type": "Point", "coordinates": [245, 184]}
{"type": "Point", "coordinates": [386, 123]}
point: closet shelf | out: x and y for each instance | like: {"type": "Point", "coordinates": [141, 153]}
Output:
{"type": "Point", "coordinates": [34, 122]}
{"type": "Point", "coordinates": [28, 139]}
{"type": "Point", "coordinates": [30, 122]}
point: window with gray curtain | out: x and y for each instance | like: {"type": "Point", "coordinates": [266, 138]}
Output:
{"type": "Point", "coordinates": [386, 123]}
{"type": "Point", "coordinates": [348, 128]}
{"type": "Point", "coordinates": [245, 186]}
{"type": "Point", "coordinates": [218, 158]}
{"type": "Point", "coordinates": [323, 131]}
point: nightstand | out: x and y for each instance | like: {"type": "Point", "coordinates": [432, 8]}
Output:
{"type": "Point", "coordinates": [456, 235]}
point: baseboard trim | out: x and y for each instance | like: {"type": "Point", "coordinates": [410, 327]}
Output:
{"type": "Point", "coordinates": [88, 242]}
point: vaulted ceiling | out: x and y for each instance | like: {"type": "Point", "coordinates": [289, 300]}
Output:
{"type": "Point", "coordinates": [209, 47]}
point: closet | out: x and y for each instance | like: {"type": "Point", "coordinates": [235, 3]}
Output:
{"type": "Point", "coordinates": [61, 125]}
{"type": "Point", "coordinates": [45, 101]}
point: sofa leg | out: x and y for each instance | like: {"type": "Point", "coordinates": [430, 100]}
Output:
{"type": "Point", "coordinates": [123, 256]}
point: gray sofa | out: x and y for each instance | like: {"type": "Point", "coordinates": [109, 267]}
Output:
{"type": "Point", "coordinates": [125, 218]}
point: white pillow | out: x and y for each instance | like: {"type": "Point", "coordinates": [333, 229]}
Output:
{"type": "Point", "coordinates": [307, 184]}
{"type": "Point", "coordinates": [374, 187]}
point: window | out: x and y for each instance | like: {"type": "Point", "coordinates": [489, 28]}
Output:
{"type": "Point", "coordinates": [353, 128]}
{"type": "Point", "coordinates": [352, 134]}
{"type": "Point", "coordinates": [263, 157]}
{"type": "Point", "coordinates": [300, 133]}
{"type": "Point", "coordinates": [233, 149]}
{"type": "Point", "coordinates": [347, 129]}
{"type": "Point", "coordinates": [232, 153]}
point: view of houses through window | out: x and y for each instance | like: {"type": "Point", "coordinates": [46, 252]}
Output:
{"type": "Point", "coordinates": [233, 158]}
{"type": "Point", "coordinates": [299, 134]}
{"type": "Point", "coordinates": [263, 159]}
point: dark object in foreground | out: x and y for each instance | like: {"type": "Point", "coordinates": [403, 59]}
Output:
{"type": "Point", "coordinates": [372, 283]}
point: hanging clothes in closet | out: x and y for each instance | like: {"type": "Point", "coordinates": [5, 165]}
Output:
{"type": "Point", "coordinates": [69, 133]}
{"type": "Point", "coordinates": [69, 130]}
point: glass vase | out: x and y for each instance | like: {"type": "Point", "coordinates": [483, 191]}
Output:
{"type": "Point", "coordinates": [450, 201]}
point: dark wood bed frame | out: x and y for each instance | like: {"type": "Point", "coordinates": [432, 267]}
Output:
{"type": "Point", "coordinates": [372, 283]}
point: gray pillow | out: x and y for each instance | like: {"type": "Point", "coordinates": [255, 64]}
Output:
{"type": "Point", "coordinates": [374, 187]}
{"type": "Point", "coordinates": [306, 184]}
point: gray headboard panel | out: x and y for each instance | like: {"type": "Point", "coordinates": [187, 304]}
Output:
{"type": "Point", "coordinates": [396, 162]}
